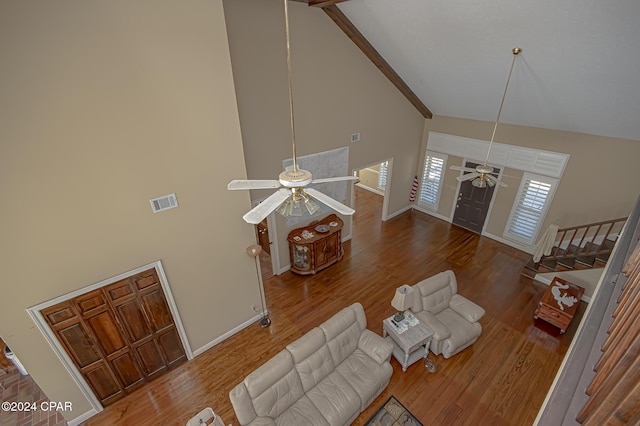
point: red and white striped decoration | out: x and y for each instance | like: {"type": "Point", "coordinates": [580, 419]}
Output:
{"type": "Point", "coordinates": [414, 190]}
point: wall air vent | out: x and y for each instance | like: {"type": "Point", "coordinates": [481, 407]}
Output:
{"type": "Point", "coordinates": [165, 202]}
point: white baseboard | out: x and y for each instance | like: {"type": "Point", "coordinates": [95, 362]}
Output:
{"type": "Point", "coordinates": [396, 213]}
{"type": "Point", "coordinates": [227, 335]}
{"type": "Point", "coordinates": [521, 247]}
{"type": "Point", "coordinates": [83, 417]}
{"type": "Point", "coordinates": [431, 213]}
{"type": "Point", "coordinates": [370, 189]}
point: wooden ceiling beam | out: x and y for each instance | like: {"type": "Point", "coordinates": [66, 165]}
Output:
{"type": "Point", "coordinates": [370, 52]}
{"type": "Point", "coordinates": [324, 3]}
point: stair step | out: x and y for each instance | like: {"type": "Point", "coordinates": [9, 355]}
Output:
{"type": "Point", "coordinates": [606, 245]}
{"type": "Point", "coordinates": [568, 263]}
{"type": "Point", "coordinates": [549, 264]}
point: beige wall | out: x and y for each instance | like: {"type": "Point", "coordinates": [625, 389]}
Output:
{"type": "Point", "coordinates": [599, 181]}
{"type": "Point", "coordinates": [105, 105]}
{"type": "Point", "coordinates": [337, 91]}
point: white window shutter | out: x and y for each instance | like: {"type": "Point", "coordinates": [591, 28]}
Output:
{"type": "Point", "coordinates": [382, 177]}
{"type": "Point", "coordinates": [431, 182]}
{"type": "Point", "coordinates": [530, 208]}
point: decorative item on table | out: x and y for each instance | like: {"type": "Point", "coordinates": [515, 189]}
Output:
{"type": "Point", "coordinates": [322, 229]}
{"type": "Point", "coordinates": [306, 234]}
{"type": "Point", "coordinates": [333, 224]}
{"type": "Point", "coordinates": [402, 301]}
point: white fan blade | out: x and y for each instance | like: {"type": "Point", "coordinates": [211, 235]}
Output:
{"type": "Point", "coordinates": [325, 199]}
{"type": "Point", "coordinates": [464, 169]}
{"type": "Point", "coordinates": [253, 184]}
{"type": "Point", "coordinates": [263, 209]}
{"type": "Point", "coordinates": [494, 180]}
{"type": "Point", "coordinates": [468, 176]}
{"type": "Point", "coordinates": [334, 179]}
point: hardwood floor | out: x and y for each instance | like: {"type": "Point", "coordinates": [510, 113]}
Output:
{"type": "Point", "coordinates": [501, 380]}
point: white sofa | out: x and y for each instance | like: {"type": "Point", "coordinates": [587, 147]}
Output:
{"type": "Point", "coordinates": [327, 377]}
{"type": "Point", "coordinates": [453, 318]}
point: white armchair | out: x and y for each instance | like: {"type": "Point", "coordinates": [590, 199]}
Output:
{"type": "Point", "coordinates": [453, 318]}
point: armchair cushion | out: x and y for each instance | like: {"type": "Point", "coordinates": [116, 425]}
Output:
{"type": "Point", "coordinates": [440, 331]}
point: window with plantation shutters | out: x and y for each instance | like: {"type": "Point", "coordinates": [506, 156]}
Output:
{"type": "Point", "coordinates": [530, 208]}
{"type": "Point", "coordinates": [382, 177]}
{"type": "Point", "coordinates": [431, 182]}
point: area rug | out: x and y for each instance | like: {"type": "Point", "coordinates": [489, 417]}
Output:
{"type": "Point", "coordinates": [392, 413]}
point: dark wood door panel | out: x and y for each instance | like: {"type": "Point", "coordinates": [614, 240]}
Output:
{"type": "Point", "coordinates": [146, 279]}
{"type": "Point", "coordinates": [90, 303]}
{"type": "Point", "coordinates": [171, 347]}
{"type": "Point", "coordinates": [104, 384]}
{"type": "Point", "coordinates": [106, 331]}
{"type": "Point", "coordinates": [120, 291]}
{"type": "Point", "coordinates": [133, 321]}
{"type": "Point", "coordinates": [58, 314]}
{"type": "Point", "coordinates": [79, 345]}
{"type": "Point", "coordinates": [151, 358]}
{"type": "Point", "coordinates": [155, 305]}
{"type": "Point", "coordinates": [126, 368]}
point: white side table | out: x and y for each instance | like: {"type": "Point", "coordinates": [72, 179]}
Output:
{"type": "Point", "coordinates": [411, 345]}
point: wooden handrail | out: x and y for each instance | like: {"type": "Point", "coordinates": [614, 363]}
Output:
{"type": "Point", "coordinates": [582, 238]}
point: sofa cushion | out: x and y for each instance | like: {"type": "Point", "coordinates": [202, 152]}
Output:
{"type": "Point", "coordinates": [342, 331]}
{"type": "Point", "coordinates": [376, 347]}
{"type": "Point", "coordinates": [303, 412]}
{"type": "Point", "coordinates": [312, 359]}
{"type": "Point", "coordinates": [367, 377]}
{"type": "Point", "coordinates": [274, 386]}
{"type": "Point", "coordinates": [335, 399]}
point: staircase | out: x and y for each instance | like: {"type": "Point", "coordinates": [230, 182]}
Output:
{"type": "Point", "coordinates": [579, 247]}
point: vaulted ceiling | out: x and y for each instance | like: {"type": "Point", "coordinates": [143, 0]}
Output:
{"type": "Point", "coordinates": [579, 69]}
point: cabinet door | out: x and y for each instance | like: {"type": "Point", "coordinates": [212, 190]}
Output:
{"type": "Point", "coordinates": [300, 256]}
{"type": "Point", "coordinates": [326, 249]}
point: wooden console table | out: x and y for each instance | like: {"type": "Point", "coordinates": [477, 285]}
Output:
{"type": "Point", "coordinates": [316, 246]}
{"type": "Point", "coordinates": [559, 303]}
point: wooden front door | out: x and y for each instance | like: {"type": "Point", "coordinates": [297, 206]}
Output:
{"type": "Point", "coordinates": [473, 203]}
{"type": "Point", "coordinates": [119, 336]}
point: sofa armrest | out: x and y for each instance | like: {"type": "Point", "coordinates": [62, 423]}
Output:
{"type": "Point", "coordinates": [376, 347]}
{"type": "Point", "coordinates": [466, 308]}
{"type": "Point", "coordinates": [242, 404]}
{"type": "Point", "coordinates": [440, 331]}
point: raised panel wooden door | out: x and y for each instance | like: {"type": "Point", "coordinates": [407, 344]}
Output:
{"type": "Point", "coordinates": [99, 317]}
{"type": "Point", "coordinates": [118, 336]}
{"type": "Point", "coordinates": [77, 340]}
{"type": "Point", "coordinates": [142, 307]}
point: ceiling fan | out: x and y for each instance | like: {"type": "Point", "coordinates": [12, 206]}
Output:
{"type": "Point", "coordinates": [292, 184]}
{"type": "Point", "coordinates": [482, 174]}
